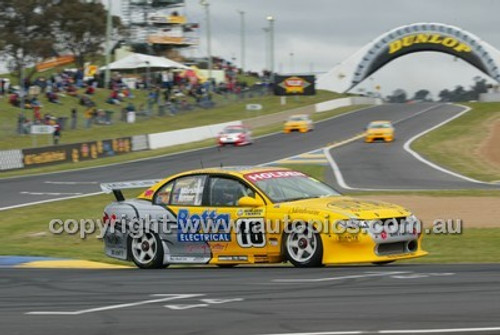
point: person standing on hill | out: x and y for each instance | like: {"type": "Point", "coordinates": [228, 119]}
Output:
{"type": "Point", "coordinates": [74, 118]}
{"type": "Point", "coordinates": [57, 133]}
{"type": "Point", "coordinates": [2, 86]}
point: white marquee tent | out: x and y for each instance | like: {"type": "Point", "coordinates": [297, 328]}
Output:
{"type": "Point", "coordinates": [141, 61]}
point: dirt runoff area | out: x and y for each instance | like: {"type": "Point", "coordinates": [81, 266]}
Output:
{"type": "Point", "coordinates": [475, 212]}
{"type": "Point", "coordinates": [490, 148]}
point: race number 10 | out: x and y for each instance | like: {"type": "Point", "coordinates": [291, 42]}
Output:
{"type": "Point", "coordinates": [250, 232]}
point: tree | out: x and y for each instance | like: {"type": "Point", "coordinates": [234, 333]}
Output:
{"type": "Point", "coordinates": [422, 95]}
{"type": "Point", "coordinates": [25, 32]}
{"type": "Point", "coordinates": [480, 86]}
{"type": "Point", "coordinates": [398, 96]}
{"type": "Point", "coordinates": [80, 28]}
{"type": "Point", "coordinates": [445, 95]}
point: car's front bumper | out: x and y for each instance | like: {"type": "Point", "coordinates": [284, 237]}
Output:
{"type": "Point", "coordinates": [373, 138]}
{"type": "Point", "coordinates": [362, 248]}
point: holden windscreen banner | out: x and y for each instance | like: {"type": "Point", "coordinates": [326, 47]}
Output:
{"type": "Point", "coordinates": [294, 85]}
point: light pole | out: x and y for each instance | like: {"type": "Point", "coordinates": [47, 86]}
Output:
{"type": "Point", "coordinates": [205, 4]}
{"type": "Point", "coordinates": [242, 30]}
{"type": "Point", "coordinates": [271, 45]}
{"type": "Point", "coordinates": [148, 75]}
{"type": "Point", "coordinates": [291, 62]}
{"type": "Point", "coordinates": [109, 27]}
{"type": "Point", "coordinates": [266, 45]}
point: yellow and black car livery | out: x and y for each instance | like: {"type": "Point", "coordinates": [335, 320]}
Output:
{"type": "Point", "coordinates": [249, 215]}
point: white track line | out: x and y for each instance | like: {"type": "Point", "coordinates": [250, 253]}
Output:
{"type": "Point", "coordinates": [336, 170]}
{"type": "Point", "coordinates": [166, 297]}
{"type": "Point", "coordinates": [399, 331]}
{"type": "Point", "coordinates": [71, 182]}
{"type": "Point", "coordinates": [50, 193]}
{"type": "Point", "coordinates": [316, 280]}
{"type": "Point", "coordinates": [49, 200]}
{"type": "Point", "coordinates": [340, 178]}
{"type": "Point", "coordinates": [435, 166]}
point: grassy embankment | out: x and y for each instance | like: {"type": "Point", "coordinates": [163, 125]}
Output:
{"type": "Point", "coordinates": [455, 145]}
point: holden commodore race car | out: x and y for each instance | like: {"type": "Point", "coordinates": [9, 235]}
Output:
{"type": "Point", "coordinates": [248, 215]}
{"type": "Point", "coordinates": [379, 130]}
{"type": "Point", "coordinates": [299, 122]}
{"type": "Point", "coordinates": [236, 135]}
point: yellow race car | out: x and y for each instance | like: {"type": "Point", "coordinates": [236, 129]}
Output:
{"type": "Point", "coordinates": [299, 122]}
{"type": "Point", "coordinates": [379, 130]}
{"type": "Point", "coordinates": [249, 215]}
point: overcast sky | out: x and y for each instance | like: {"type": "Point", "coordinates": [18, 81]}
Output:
{"type": "Point", "coordinates": [322, 33]}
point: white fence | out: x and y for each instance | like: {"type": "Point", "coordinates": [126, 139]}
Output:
{"type": "Point", "coordinates": [183, 136]}
{"type": "Point", "coordinates": [11, 159]}
{"type": "Point", "coordinates": [342, 102]}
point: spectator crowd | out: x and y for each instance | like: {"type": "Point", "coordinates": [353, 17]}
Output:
{"type": "Point", "coordinates": [168, 92]}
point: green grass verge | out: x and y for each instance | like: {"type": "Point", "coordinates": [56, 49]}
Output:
{"type": "Point", "coordinates": [272, 128]}
{"type": "Point", "coordinates": [455, 145]}
{"type": "Point", "coordinates": [26, 232]}
{"type": "Point", "coordinates": [226, 110]}
{"type": "Point", "coordinates": [475, 245]}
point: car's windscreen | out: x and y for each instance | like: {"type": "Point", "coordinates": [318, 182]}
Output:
{"type": "Point", "coordinates": [379, 125]}
{"type": "Point", "coordinates": [232, 130]}
{"type": "Point", "coordinates": [281, 186]}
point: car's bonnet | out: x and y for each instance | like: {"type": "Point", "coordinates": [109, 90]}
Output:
{"type": "Point", "coordinates": [347, 207]}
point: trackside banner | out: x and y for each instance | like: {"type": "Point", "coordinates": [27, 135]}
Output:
{"type": "Point", "coordinates": [36, 157]}
{"type": "Point", "coordinates": [294, 85]}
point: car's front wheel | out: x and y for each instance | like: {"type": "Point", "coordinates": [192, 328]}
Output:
{"type": "Point", "coordinates": [147, 251]}
{"type": "Point", "coordinates": [303, 246]}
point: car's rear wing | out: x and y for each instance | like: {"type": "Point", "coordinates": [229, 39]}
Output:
{"type": "Point", "coordinates": [117, 187]}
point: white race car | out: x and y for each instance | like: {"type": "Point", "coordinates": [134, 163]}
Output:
{"type": "Point", "coordinates": [235, 135]}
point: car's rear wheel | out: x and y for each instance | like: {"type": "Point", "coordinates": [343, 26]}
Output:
{"type": "Point", "coordinates": [303, 246]}
{"type": "Point", "coordinates": [147, 251]}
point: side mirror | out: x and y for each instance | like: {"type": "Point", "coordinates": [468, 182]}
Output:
{"type": "Point", "coordinates": [249, 202]}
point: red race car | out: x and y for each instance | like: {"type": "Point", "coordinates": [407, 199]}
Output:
{"type": "Point", "coordinates": [235, 135]}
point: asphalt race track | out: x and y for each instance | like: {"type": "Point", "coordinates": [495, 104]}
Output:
{"type": "Point", "coordinates": [389, 166]}
{"type": "Point", "coordinates": [251, 300]}
{"type": "Point", "coordinates": [366, 166]}
{"type": "Point", "coordinates": [393, 299]}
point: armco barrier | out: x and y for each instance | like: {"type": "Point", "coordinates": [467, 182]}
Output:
{"type": "Point", "coordinates": [140, 142]}
{"type": "Point", "coordinates": [37, 157]}
{"type": "Point", "coordinates": [182, 136]}
{"type": "Point", "coordinates": [343, 102]}
{"type": "Point", "coordinates": [11, 159]}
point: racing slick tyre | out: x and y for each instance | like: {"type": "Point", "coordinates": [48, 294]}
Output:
{"type": "Point", "coordinates": [382, 263]}
{"type": "Point", "coordinates": [303, 246]}
{"type": "Point", "coordinates": [147, 251]}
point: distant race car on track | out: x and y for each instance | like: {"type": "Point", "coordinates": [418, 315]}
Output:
{"type": "Point", "coordinates": [379, 130]}
{"type": "Point", "coordinates": [299, 122]}
{"type": "Point", "coordinates": [246, 215]}
{"type": "Point", "coordinates": [235, 135]}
